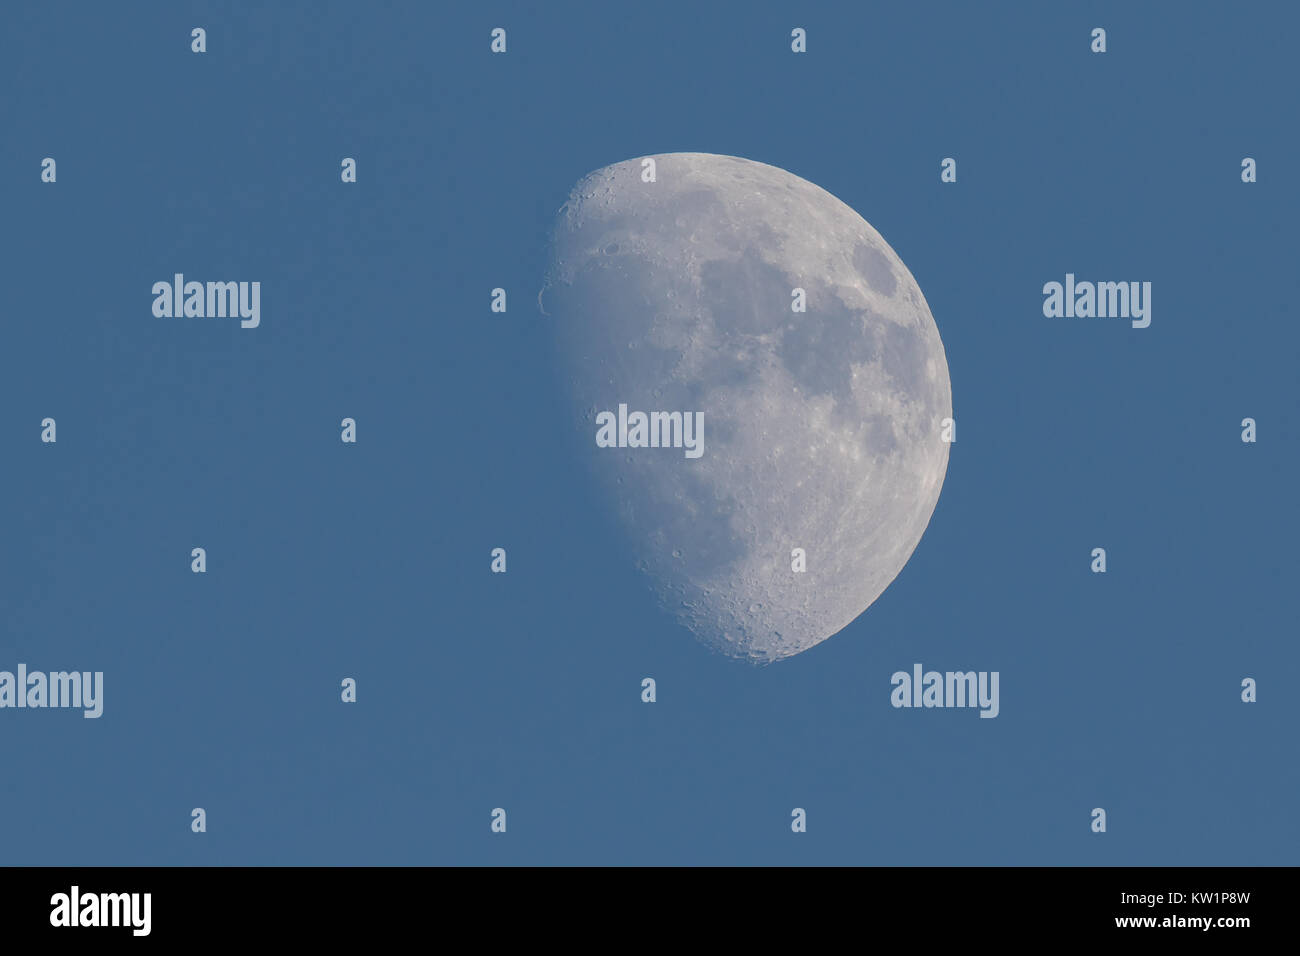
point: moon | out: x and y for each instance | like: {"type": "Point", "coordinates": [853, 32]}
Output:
{"type": "Point", "coordinates": [822, 427]}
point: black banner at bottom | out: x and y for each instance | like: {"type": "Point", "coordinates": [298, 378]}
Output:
{"type": "Point", "coordinates": [336, 906]}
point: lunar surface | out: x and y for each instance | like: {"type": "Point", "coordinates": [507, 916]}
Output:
{"type": "Point", "coordinates": [821, 428]}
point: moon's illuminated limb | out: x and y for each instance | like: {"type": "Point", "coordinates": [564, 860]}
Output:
{"type": "Point", "coordinates": [822, 428]}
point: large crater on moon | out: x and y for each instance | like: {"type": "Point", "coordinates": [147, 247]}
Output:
{"type": "Point", "coordinates": [822, 428]}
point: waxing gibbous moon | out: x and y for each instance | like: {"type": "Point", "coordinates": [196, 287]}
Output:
{"type": "Point", "coordinates": [822, 429]}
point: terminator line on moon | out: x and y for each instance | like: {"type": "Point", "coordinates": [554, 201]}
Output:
{"type": "Point", "coordinates": [822, 428]}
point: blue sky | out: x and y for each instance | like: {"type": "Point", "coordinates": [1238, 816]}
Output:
{"type": "Point", "coordinates": [522, 690]}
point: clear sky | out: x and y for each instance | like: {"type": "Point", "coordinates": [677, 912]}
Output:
{"type": "Point", "coordinates": [477, 690]}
